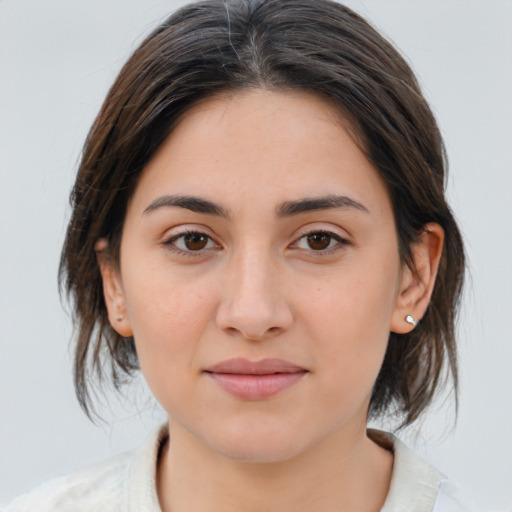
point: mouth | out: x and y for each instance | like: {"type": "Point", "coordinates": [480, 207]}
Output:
{"type": "Point", "coordinates": [255, 380]}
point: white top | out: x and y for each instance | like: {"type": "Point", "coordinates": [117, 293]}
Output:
{"type": "Point", "coordinates": [127, 483]}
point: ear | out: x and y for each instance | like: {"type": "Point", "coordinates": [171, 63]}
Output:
{"type": "Point", "coordinates": [113, 291]}
{"type": "Point", "coordinates": [417, 283]}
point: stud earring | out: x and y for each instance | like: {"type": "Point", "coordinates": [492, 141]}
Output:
{"type": "Point", "coordinates": [119, 318]}
{"type": "Point", "coordinates": [410, 320]}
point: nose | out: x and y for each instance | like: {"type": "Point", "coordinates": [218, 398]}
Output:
{"type": "Point", "coordinates": [254, 303]}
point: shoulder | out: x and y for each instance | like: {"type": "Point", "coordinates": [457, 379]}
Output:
{"type": "Point", "coordinates": [452, 499]}
{"type": "Point", "coordinates": [107, 486]}
{"type": "Point", "coordinates": [415, 484]}
{"type": "Point", "coordinates": [82, 490]}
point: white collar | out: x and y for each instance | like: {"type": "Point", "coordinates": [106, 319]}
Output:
{"type": "Point", "coordinates": [414, 483]}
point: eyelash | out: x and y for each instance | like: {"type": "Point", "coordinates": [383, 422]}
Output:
{"type": "Point", "coordinates": [171, 243]}
{"type": "Point", "coordinates": [340, 243]}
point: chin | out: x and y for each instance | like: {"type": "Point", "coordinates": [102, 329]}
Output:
{"type": "Point", "coordinates": [259, 452]}
{"type": "Point", "coordinates": [259, 445]}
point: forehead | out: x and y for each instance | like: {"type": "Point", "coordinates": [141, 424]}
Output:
{"type": "Point", "coordinates": [256, 116]}
{"type": "Point", "coordinates": [282, 144]}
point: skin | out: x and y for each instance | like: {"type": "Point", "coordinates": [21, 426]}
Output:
{"type": "Point", "coordinates": [261, 288]}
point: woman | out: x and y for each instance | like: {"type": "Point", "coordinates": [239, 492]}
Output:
{"type": "Point", "coordinates": [259, 223]}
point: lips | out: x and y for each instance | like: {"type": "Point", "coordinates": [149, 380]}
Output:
{"type": "Point", "coordinates": [255, 380]}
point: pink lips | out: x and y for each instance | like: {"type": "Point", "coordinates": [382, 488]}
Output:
{"type": "Point", "coordinates": [255, 380]}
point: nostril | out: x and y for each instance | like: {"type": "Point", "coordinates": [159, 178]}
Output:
{"type": "Point", "coordinates": [253, 321]}
{"type": "Point", "coordinates": [254, 335]}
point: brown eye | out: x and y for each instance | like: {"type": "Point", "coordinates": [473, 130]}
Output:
{"type": "Point", "coordinates": [195, 241]}
{"type": "Point", "coordinates": [322, 243]}
{"type": "Point", "coordinates": [319, 241]}
{"type": "Point", "coordinates": [191, 242]}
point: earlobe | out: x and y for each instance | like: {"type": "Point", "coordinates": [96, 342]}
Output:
{"type": "Point", "coordinates": [113, 291]}
{"type": "Point", "coordinates": [417, 283]}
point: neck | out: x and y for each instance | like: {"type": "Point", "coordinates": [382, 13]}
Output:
{"type": "Point", "coordinates": [346, 471]}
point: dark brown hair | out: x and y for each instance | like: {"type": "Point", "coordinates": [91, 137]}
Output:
{"type": "Point", "coordinates": [318, 46]}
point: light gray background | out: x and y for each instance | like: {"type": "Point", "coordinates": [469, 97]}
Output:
{"type": "Point", "coordinates": [57, 61]}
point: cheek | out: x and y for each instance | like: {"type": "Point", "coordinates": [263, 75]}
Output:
{"type": "Point", "coordinates": [158, 311]}
{"type": "Point", "coordinates": [168, 317]}
{"type": "Point", "coordinates": [356, 306]}
{"type": "Point", "coordinates": [348, 318]}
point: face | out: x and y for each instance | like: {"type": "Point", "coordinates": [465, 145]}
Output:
{"type": "Point", "coordinates": [259, 275]}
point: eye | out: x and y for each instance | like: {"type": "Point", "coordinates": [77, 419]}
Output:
{"type": "Point", "coordinates": [191, 241]}
{"type": "Point", "coordinates": [320, 241]}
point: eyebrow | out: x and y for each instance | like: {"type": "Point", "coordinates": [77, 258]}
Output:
{"type": "Point", "coordinates": [286, 209]}
{"type": "Point", "coordinates": [328, 202]}
{"type": "Point", "coordinates": [195, 204]}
